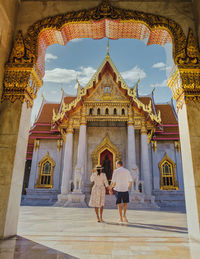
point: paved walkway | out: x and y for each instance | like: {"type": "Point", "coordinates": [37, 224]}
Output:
{"type": "Point", "coordinates": [57, 233]}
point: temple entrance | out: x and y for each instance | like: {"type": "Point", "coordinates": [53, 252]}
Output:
{"type": "Point", "coordinates": [32, 49]}
{"type": "Point", "coordinates": [106, 161]}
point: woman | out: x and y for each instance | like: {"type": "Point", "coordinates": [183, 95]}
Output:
{"type": "Point", "coordinates": [97, 197]}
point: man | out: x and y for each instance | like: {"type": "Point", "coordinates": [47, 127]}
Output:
{"type": "Point", "coordinates": [122, 182]}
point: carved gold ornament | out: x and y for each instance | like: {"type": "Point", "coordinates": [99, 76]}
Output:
{"type": "Point", "coordinates": [185, 79]}
{"type": "Point", "coordinates": [105, 144]}
{"type": "Point", "coordinates": [22, 78]}
{"type": "Point", "coordinates": [154, 145]}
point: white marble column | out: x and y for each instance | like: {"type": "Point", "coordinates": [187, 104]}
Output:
{"type": "Point", "coordinates": [131, 156]}
{"type": "Point", "coordinates": [81, 146]}
{"type": "Point", "coordinates": [81, 156]}
{"type": "Point", "coordinates": [131, 148]}
{"type": "Point", "coordinates": [145, 165]}
{"type": "Point", "coordinates": [67, 164]}
{"type": "Point", "coordinates": [34, 166]}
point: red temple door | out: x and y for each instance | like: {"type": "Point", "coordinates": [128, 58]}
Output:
{"type": "Point", "coordinates": [109, 155]}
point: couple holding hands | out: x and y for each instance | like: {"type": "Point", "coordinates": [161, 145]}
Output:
{"type": "Point", "coordinates": [121, 183]}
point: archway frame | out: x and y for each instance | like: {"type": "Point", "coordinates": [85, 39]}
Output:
{"type": "Point", "coordinates": [22, 81]}
{"type": "Point", "coordinates": [105, 144]}
{"type": "Point", "coordinates": [22, 78]}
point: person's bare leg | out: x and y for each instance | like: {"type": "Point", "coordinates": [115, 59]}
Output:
{"type": "Point", "coordinates": [97, 213]}
{"type": "Point", "coordinates": [101, 214]}
{"type": "Point", "coordinates": [120, 211]}
{"type": "Point", "coordinates": [125, 208]}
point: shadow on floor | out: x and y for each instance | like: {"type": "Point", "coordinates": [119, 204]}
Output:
{"type": "Point", "coordinates": [22, 248]}
{"type": "Point", "coordinates": [175, 229]}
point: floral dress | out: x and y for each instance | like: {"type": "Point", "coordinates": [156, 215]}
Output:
{"type": "Point", "coordinates": [97, 198]}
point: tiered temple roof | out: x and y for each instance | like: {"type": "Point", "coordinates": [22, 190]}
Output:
{"type": "Point", "coordinates": [167, 131]}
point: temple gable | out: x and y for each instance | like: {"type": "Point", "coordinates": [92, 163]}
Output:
{"type": "Point", "coordinates": [107, 90]}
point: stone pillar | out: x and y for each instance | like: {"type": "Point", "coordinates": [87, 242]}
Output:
{"type": "Point", "coordinates": [34, 166]}
{"type": "Point", "coordinates": [131, 156]}
{"type": "Point", "coordinates": [81, 156]}
{"type": "Point", "coordinates": [179, 169]}
{"type": "Point", "coordinates": [14, 128]}
{"type": "Point", "coordinates": [189, 123]}
{"type": "Point", "coordinates": [145, 165]}
{"type": "Point", "coordinates": [185, 86]}
{"type": "Point", "coordinates": [67, 163]}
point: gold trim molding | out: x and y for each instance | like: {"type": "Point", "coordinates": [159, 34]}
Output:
{"type": "Point", "coordinates": [173, 168]}
{"type": "Point", "coordinates": [40, 165]}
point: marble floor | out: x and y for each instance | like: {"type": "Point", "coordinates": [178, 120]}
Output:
{"type": "Point", "coordinates": [58, 233]}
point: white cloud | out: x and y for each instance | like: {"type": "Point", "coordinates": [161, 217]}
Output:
{"type": "Point", "coordinates": [76, 40]}
{"type": "Point", "coordinates": [161, 66]}
{"type": "Point", "coordinates": [50, 56]}
{"type": "Point", "coordinates": [133, 74]}
{"type": "Point", "coordinates": [162, 84]}
{"type": "Point", "coordinates": [62, 75]}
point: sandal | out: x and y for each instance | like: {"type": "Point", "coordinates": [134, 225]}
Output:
{"type": "Point", "coordinates": [125, 219]}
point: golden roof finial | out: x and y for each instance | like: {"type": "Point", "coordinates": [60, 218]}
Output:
{"type": "Point", "coordinates": [107, 54]}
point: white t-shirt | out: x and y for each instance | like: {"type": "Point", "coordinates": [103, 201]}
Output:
{"type": "Point", "coordinates": [122, 178]}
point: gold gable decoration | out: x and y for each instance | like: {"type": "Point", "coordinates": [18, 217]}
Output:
{"type": "Point", "coordinates": [105, 144]}
{"type": "Point", "coordinates": [83, 93]}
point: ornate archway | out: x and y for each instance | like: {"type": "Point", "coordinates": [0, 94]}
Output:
{"type": "Point", "coordinates": [106, 144]}
{"type": "Point", "coordinates": [25, 67]}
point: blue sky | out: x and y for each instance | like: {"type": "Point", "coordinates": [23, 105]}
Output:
{"type": "Point", "coordinates": [81, 57]}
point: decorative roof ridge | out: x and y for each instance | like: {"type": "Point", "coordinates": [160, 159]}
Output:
{"type": "Point", "coordinates": [173, 109]}
{"type": "Point", "coordinates": [130, 92]}
{"type": "Point", "coordinates": [44, 101]}
{"type": "Point", "coordinates": [64, 94]}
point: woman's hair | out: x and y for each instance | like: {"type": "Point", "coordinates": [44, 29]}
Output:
{"type": "Point", "coordinates": [98, 171]}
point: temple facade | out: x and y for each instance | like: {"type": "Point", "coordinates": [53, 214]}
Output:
{"type": "Point", "coordinates": [106, 121]}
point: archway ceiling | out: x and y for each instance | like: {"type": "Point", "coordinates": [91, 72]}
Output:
{"type": "Point", "coordinates": [97, 30]}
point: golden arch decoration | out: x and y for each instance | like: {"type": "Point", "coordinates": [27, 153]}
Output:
{"type": "Point", "coordinates": [168, 179]}
{"type": "Point", "coordinates": [25, 67]}
{"type": "Point", "coordinates": [105, 144]}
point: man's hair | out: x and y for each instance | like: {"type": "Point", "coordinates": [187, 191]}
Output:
{"type": "Point", "coordinates": [120, 163]}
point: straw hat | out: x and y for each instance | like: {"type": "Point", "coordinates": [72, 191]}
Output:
{"type": "Point", "coordinates": [99, 167]}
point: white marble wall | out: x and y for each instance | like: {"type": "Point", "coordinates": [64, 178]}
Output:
{"type": "Point", "coordinates": [162, 148]}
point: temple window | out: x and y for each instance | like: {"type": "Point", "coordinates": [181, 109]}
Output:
{"type": "Point", "coordinates": [91, 111]}
{"type": "Point", "coordinates": [167, 174]}
{"type": "Point", "coordinates": [115, 111]}
{"type": "Point", "coordinates": [98, 111]}
{"type": "Point", "coordinates": [107, 111]}
{"type": "Point", "coordinates": [46, 168]}
{"type": "Point", "coordinates": [107, 89]}
{"type": "Point", "coordinates": [123, 111]}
